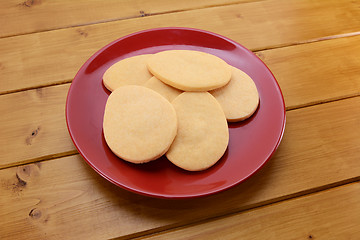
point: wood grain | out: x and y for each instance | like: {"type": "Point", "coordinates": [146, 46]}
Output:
{"type": "Point", "coordinates": [305, 191]}
{"type": "Point", "coordinates": [27, 16]}
{"type": "Point", "coordinates": [53, 57]}
{"type": "Point", "coordinates": [331, 214]}
{"type": "Point", "coordinates": [304, 80]}
{"type": "Point", "coordinates": [316, 72]}
{"type": "Point", "coordinates": [64, 197]}
{"type": "Point", "coordinates": [32, 125]}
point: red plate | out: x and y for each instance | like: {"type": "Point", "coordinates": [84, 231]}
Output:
{"type": "Point", "coordinates": [252, 142]}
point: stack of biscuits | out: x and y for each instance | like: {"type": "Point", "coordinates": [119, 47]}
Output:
{"type": "Point", "coordinates": [177, 103]}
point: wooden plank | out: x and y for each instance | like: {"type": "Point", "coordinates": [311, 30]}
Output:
{"type": "Point", "coordinates": [316, 72]}
{"type": "Point", "coordinates": [38, 15]}
{"type": "Point", "coordinates": [52, 57]}
{"type": "Point", "coordinates": [64, 197]}
{"type": "Point", "coordinates": [333, 214]}
{"type": "Point", "coordinates": [32, 125]}
{"type": "Point", "coordinates": [327, 75]}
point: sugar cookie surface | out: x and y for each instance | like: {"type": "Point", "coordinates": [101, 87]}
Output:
{"type": "Point", "coordinates": [239, 98]}
{"type": "Point", "coordinates": [129, 71]}
{"type": "Point", "coordinates": [203, 133]}
{"type": "Point", "coordinates": [139, 124]}
{"type": "Point", "coordinates": [189, 70]}
{"type": "Point", "coordinates": [165, 90]}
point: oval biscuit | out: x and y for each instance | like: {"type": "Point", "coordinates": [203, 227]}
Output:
{"type": "Point", "coordinates": [139, 124]}
{"type": "Point", "coordinates": [129, 71]}
{"type": "Point", "coordinates": [189, 70]}
{"type": "Point", "coordinates": [203, 133]}
{"type": "Point", "coordinates": [239, 98]}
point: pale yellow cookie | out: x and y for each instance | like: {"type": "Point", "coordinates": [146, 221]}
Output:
{"type": "Point", "coordinates": [203, 133]}
{"type": "Point", "coordinates": [129, 71]}
{"type": "Point", "coordinates": [165, 90]}
{"type": "Point", "coordinates": [239, 98]}
{"type": "Point", "coordinates": [189, 70]}
{"type": "Point", "coordinates": [139, 124]}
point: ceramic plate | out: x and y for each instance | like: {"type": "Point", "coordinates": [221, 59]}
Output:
{"type": "Point", "coordinates": [252, 142]}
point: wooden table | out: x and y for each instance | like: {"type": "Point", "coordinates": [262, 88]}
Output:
{"type": "Point", "coordinates": [310, 188]}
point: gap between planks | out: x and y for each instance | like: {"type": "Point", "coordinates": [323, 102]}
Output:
{"type": "Point", "coordinates": [327, 38]}
{"type": "Point", "coordinates": [141, 14]}
{"type": "Point", "coordinates": [166, 229]}
{"type": "Point", "coordinates": [329, 100]}
{"type": "Point", "coordinates": [36, 87]}
{"type": "Point", "coordinates": [41, 159]}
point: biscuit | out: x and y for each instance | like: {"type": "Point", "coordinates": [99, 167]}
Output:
{"type": "Point", "coordinates": [165, 90]}
{"type": "Point", "coordinates": [139, 124]}
{"type": "Point", "coordinates": [129, 71]}
{"type": "Point", "coordinates": [239, 98]}
{"type": "Point", "coordinates": [189, 70]}
{"type": "Point", "coordinates": [203, 133]}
